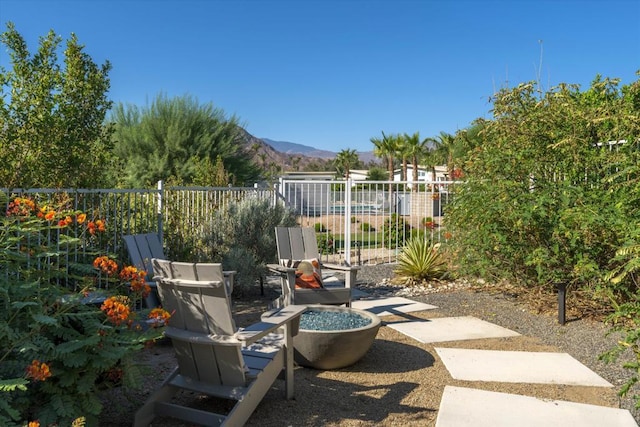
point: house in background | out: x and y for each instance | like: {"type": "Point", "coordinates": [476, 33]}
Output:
{"type": "Point", "coordinates": [424, 174]}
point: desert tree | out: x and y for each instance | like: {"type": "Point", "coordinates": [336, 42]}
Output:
{"type": "Point", "coordinates": [52, 131]}
{"type": "Point", "coordinates": [163, 140]}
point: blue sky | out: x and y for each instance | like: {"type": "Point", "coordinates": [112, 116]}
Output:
{"type": "Point", "coordinates": [334, 73]}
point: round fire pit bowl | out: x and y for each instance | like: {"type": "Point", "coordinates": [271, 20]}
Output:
{"type": "Point", "coordinates": [333, 337]}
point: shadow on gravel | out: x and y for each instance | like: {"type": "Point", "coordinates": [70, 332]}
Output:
{"type": "Point", "coordinates": [406, 358]}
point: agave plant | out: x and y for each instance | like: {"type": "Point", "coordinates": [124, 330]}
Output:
{"type": "Point", "coordinates": [420, 260]}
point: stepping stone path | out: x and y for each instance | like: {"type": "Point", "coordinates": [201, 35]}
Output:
{"type": "Point", "coordinates": [462, 407]}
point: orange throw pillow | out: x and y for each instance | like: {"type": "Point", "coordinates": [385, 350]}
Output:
{"type": "Point", "coordinates": [308, 275]}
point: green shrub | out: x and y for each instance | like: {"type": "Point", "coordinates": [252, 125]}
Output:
{"type": "Point", "coordinates": [395, 231]}
{"type": "Point", "coordinates": [56, 346]}
{"type": "Point", "coordinates": [365, 226]}
{"type": "Point", "coordinates": [242, 237]}
{"type": "Point", "coordinates": [419, 261]}
{"type": "Point", "coordinates": [319, 227]}
{"type": "Point", "coordinates": [626, 317]}
{"type": "Point", "coordinates": [326, 244]}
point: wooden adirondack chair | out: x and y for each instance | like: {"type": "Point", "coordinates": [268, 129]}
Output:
{"type": "Point", "coordinates": [299, 243]}
{"type": "Point", "coordinates": [214, 358]}
{"type": "Point", "coordinates": [142, 249]}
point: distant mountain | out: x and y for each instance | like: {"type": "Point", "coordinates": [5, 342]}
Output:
{"type": "Point", "coordinates": [293, 148]}
{"type": "Point", "coordinates": [305, 150]}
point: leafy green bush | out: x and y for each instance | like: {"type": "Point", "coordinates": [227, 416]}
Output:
{"type": "Point", "coordinates": [420, 260]}
{"type": "Point", "coordinates": [395, 231]}
{"type": "Point", "coordinates": [58, 345]}
{"type": "Point", "coordinates": [319, 227]}
{"type": "Point", "coordinates": [326, 244]}
{"type": "Point", "coordinates": [626, 317]}
{"type": "Point", "coordinates": [242, 237]}
{"type": "Point", "coordinates": [552, 192]}
{"type": "Point", "coordinates": [365, 226]}
{"type": "Point", "coordinates": [537, 207]}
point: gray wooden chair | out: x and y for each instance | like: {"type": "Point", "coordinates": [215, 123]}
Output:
{"type": "Point", "coordinates": [214, 358]}
{"type": "Point", "coordinates": [299, 243]}
{"type": "Point", "coordinates": [142, 248]}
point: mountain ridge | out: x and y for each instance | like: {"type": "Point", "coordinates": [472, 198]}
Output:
{"type": "Point", "coordinates": [292, 148]}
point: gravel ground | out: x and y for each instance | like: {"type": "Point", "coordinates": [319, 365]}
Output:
{"type": "Point", "coordinates": [400, 381]}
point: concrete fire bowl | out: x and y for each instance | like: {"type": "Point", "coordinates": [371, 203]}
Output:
{"type": "Point", "coordinates": [334, 349]}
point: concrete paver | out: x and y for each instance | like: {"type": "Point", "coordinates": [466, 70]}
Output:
{"type": "Point", "coordinates": [451, 329]}
{"type": "Point", "coordinates": [518, 367]}
{"type": "Point", "coordinates": [386, 306]}
{"type": "Point", "coordinates": [467, 407]}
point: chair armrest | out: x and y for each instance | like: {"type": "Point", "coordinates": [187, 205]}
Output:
{"type": "Point", "coordinates": [341, 267]}
{"type": "Point", "coordinates": [270, 322]}
{"type": "Point", "coordinates": [280, 269]}
{"type": "Point", "coordinates": [229, 278]}
{"type": "Point", "coordinates": [184, 282]}
{"type": "Point", "coordinates": [199, 337]}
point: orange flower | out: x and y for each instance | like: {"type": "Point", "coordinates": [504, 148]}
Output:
{"type": "Point", "coordinates": [81, 218]}
{"type": "Point", "coordinates": [50, 215]}
{"type": "Point", "coordinates": [447, 235]}
{"type": "Point", "coordinates": [106, 265]}
{"type": "Point", "coordinates": [68, 220]}
{"type": "Point", "coordinates": [160, 315]}
{"type": "Point", "coordinates": [95, 226]}
{"type": "Point", "coordinates": [62, 223]}
{"type": "Point", "coordinates": [136, 279]}
{"type": "Point", "coordinates": [33, 424]}
{"type": "Point", "coordinates": [130, 272]}
{"type": "Point", "coordinates": [21, 206]}
{"type": "Point", "coordinates": [117, 309]}
{"type": "Point", "coordinates": [39, 371]}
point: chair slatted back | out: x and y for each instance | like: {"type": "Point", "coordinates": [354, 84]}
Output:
{"type": "Point", "coordinates": [201, 308]}
{"type": "Point", "coordinates": [142, 249]}
{"type": "Point", "coordinates": [296, 243]}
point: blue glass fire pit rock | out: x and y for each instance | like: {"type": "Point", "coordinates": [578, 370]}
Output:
{"type": "Point", "coordinates": [333, 337]}
{"type": "Point", "coordinates": [324, 320]}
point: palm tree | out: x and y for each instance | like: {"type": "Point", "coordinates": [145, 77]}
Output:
{"type": "Point", "coordinates": [417, 151]}
{"type": "Point", "coordinates": [431, 155]}
{"type": "Point", "coordinates": [446, 150]}
{"type": "Point", "coordinates": [404, 154]}
{"type": "Point", "coordinates": [386, 148]}
{"type": "Point", "coordinates": [345, 160]}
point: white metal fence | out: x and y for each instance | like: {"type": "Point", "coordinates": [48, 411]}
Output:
{"type": "Point", "coordinates": [358, 222]}
{"type": "Point", "coordinates": [367, 222]}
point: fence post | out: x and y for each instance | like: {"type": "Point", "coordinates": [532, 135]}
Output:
{"type": "Point", "coordinates": [159, 213]}
{"type": "Point", "coordinates": [347, 221]}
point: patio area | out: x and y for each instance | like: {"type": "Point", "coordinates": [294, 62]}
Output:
{"type": "Point", "coordinates": [409, 379]}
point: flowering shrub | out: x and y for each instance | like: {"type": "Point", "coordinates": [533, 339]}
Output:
{"type": "Point", "coordinates": [62, 338]}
